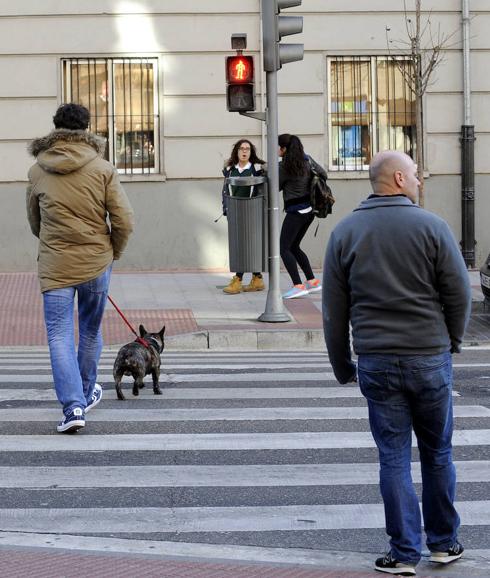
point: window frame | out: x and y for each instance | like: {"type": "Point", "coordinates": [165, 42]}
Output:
{"type": "Point", "coordinates": [373, 114]}
{"type": "Point", "coordinates": [126, 173]}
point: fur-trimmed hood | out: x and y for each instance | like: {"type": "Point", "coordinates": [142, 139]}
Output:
{"type": "Point", "coordinates": [64, 151]}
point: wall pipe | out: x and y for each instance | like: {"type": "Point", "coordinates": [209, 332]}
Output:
{"type": "Point", "coordinates": [468, 241]}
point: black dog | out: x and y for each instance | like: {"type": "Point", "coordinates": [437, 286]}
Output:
{"type": "Point", "coordinates": [139, 358]}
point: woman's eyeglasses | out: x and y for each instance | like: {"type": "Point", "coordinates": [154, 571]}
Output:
{"type": "Point", "coordinates": [245, 149]}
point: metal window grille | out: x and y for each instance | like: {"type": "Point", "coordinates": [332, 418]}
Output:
{"type": "Point", "coordinates": [122, 97]}
{"type": "Point", "coordinates": [370, 108]}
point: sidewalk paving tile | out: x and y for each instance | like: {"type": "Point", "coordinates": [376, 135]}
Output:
{"type": "Point", "coordinates": [22, 563]}
{"type": "Point", "coordinates": [190, 303]}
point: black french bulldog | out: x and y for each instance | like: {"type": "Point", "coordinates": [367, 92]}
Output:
{"type": "Point", "coordinates": [139, 358]}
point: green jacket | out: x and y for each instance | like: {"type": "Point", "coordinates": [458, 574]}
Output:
{"type": "Point", "coordinates": [77, 208]}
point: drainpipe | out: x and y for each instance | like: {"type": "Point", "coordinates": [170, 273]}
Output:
{"type": "Point", "coordinates": [468, 241]}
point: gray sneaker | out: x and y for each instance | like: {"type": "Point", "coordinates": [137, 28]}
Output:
{"type": "Point", "coordinates": [454, 553]}
{"type": "Point", "coordinates": [391, 565]}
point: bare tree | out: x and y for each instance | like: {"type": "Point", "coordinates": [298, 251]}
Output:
{"type": "Point", "coordinates": [424, 48]}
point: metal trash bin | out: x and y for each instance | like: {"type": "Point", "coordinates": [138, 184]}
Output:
{"type": "Point", "coordinates": [247, 226]}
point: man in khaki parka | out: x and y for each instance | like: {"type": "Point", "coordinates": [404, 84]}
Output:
{"type": "Point", "coordinates": [83, 219]}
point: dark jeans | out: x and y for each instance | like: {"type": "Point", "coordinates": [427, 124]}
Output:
{"type": "Point", "coordinates": [293, 230]}
{"type": "Point", "coordinates": [405, 392]}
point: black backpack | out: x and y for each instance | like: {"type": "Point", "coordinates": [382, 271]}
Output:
{"type": "Point", "coordinates": [321, 196]}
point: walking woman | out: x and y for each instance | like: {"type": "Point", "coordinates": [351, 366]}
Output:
{"type": "Point", "coordinates": [294, 182]}
{"type": "Point", "coordinates": [243, 162]}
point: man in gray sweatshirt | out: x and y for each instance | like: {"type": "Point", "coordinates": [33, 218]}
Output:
{"type": "Point", "coordinates": [395, 273]}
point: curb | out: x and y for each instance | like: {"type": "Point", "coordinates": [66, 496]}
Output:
{"type": "Point", "coordinates": [481, 307]}
{"type": "Point", "coordinates": [295, 339]}
{"type": "Point", "coordinates": [236, 340]}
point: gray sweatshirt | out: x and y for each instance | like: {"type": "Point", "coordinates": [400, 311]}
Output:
{"type": "Point", "coordinates": [395, 271]}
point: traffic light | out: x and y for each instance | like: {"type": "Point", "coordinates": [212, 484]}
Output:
{"type": "Point", "coordinates": [240, 88]}
{"type": "Point", "coordinates": [274, 28]}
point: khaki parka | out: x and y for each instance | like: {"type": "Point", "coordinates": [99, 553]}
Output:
{"type": "Point", "coordinates": [77, 208]}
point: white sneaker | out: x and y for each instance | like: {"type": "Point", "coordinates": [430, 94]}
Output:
{"type": "Point", "coordinates": [95, 398]}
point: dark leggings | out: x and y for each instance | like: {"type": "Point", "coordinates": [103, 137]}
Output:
{"type": "Point", "coordinates": [293, 230]}
{"type": "Point", "coordinates": [240, 275]}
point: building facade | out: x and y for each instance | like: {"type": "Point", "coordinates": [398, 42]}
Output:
{"type": "Point", "coordinates": [152, 73]}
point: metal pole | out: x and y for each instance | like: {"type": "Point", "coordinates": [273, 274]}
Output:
{"type": "Point", "coordinates": [468, 241]}
{"type": "Point", "coordinates": [466, 63]}
{"type": "Point", "coordinates": [274, 308]}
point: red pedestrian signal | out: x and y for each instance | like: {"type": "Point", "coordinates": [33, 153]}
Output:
{"type": "Point", "coordinates": [240, 90]}
{"type": "Point", "coordinates": [239, 69]}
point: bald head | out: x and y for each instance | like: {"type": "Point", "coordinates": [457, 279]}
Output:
{"type": "Point", "coordinates": [393, 173]}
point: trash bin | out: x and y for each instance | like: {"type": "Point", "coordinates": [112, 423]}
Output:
{"type": "Point", "coordinates": [247, 226]}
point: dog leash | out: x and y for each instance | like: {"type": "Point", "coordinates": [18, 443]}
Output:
{"type": "Point", "coordinates": [123, 317]}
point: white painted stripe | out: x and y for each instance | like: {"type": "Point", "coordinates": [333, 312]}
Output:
{"type": "Point", "coordinates": [213, 441]}
{"type": "Point", "coordinates": [190, 377]}
{"type": "Point", "coordinates": [171, 354]}
{"type": "Point", "coordinates": [202, 393]}
{"type": "Point", "coordinates": [215, 476]}
{"type": "Point", "coordinates": [267, 361]}
{"type": "Point", "coordinates": [111, 351]}
{"type": "Point", "coordinates": [29, 415]}
{"type": "Point", "coordinates": [219, 519]}
{"type": "Point", "coordinates": [200, 551]}
{"type": "Point", "coordinates": [460, 365]}
{"type": "Point", "coordinates": [32, 365]}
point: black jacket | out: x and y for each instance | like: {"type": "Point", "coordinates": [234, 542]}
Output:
{"type": "Point", "coordinates": [296, 190]}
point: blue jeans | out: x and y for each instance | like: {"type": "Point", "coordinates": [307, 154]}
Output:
{"type": "Point", "coordinates": [405, 392]}
{"type": "Point", "coordinates": [74, 375]}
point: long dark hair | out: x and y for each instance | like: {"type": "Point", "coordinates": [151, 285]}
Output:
{"type": "Point", "coordinates": [254, 159]}
{"type": "Point", "coordinates": [294, 161]}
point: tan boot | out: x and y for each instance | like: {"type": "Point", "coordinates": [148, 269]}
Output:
{"type": "Point", "coordinates": [234, 286]}
{"type": "Point", "coordinates": [256, 284]}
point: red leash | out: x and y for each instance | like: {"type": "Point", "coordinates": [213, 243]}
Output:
{"type": "Point", "coordinates": [138, 338]}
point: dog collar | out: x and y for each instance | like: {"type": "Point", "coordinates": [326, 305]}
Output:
{"type": "Point", "coordinates": [143, 342]}
{"type": "Point", "coordinates": [146, 343]}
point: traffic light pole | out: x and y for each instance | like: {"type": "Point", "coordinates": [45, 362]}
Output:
{"type": "Point", "coordinates": [274, 27]}
{"type": "Point", "coordinates": [274, 307]}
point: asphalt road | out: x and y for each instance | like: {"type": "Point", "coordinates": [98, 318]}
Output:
{"type": "Point", "coordinates": [249, 449]}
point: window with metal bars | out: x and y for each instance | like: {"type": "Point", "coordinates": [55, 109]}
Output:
{"type": "Point", "coordinates": [122, 97]}
{"type": "Point", "coordinates": [370, 108]}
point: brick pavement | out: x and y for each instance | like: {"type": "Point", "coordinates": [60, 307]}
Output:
{"type": "Point", "coordinates": [26, 563]}
{"type": "Point", "coordinates": [185, 303]}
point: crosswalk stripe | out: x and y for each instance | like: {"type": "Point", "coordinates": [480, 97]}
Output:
{"type": "Point", "coordinates": [213, 441]}
{"type": "Point", "coordinates": [203, 393]}
{"type": "Point", "coordinates": [217, 476]}
{"type": "Point", "coordinates": [207, 354]}
{"type": "Point", "coordinates": [171, 366]}
{"type": "Point", "coordinates": [32, 364]}
{"type": "Point", "coordinates": [216, 519]}
{"type": "Point", "coordinates": [30, 415]}
{"type": "Point", "coordinates": [189, 377]}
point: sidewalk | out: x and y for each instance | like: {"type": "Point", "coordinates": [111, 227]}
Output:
{"type": "Point", "coordinates": [86, 557]}
{"type": "Point", "coordinates": [194, 309]}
